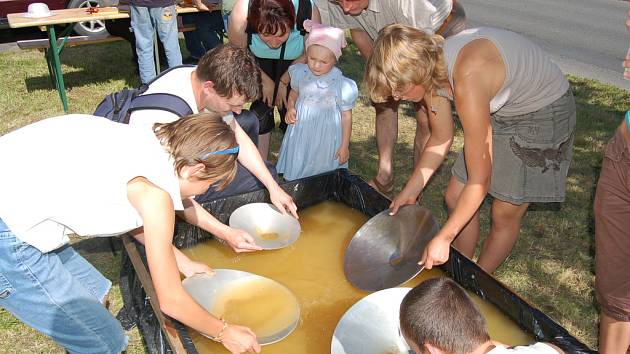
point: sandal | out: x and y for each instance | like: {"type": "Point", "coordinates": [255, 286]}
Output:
{"type": "Point", "coordinates": [380, 187]}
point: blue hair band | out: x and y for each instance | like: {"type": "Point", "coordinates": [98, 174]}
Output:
{"type": "Point", "coordinates": [230, 151]}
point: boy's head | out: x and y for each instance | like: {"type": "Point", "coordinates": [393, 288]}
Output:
{"type": "Point", "coordinates": [204, 151]}
{"type": "Point", "coordinates": [439, 314]}
{"type": "Point", "coordinates": [228, 77]}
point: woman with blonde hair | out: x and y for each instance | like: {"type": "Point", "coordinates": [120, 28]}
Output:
{"type": "Point", "coordinates": [518, 117]}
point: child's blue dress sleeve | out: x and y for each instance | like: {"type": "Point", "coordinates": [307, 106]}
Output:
{"type": "Point", "coordinates": [296, 72]}
{"type": "Point", "coordinates": [349, 94]}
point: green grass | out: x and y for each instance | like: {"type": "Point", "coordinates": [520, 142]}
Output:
{"type": "Point", "coordinates": [552, 265]}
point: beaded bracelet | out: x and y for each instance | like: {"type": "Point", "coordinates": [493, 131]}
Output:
{"type": "Point", "coordinates": [218, 337]}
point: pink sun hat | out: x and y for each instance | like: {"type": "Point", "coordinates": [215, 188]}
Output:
{"type": "Point", "coordinates": [330, 37]}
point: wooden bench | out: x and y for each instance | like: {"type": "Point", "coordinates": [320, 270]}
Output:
{"type": "Point", "coordinates": [72, 41]}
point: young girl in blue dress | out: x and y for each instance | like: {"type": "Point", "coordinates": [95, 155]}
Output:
{"type": "Point", "coordinates": [319, 108]}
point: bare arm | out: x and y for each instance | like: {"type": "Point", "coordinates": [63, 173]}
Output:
{"type": "Point", "coordinates": [237, 24]}
{"type": "Point", "coordinates": [250, 158]}
{"type": "Point", "coordinates": [343, 152]}
{"type": "Point", "coordinates": [156, 209]}
{"type": "Point", "coordinates": [185, 265]}
{"type": "Point", "coordinates": [293, 96]}
{"type": "Point", "coordinates": [473, 106]}
{"type": "Point", "coordinates": [433, 155]}
{"type": "Point", "coordinates": [346, 123]}
{"type": "Point", "coordinates": [472, 98]}
{"type": "Point", "coordinates": [195, 214]}
{"type": "Point", "coordinates": [478, 75]}
{"type": "Point", "coordinates": [199, 4]}
{"type": "Point", "coordinates": [291, 116]}
{"type": "Point", "coordinates": [363, 41]}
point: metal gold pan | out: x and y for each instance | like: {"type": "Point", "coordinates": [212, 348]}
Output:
{"type": "Point", "coordinates": [269, 228]}
{"type": "Point", "coordinates": [371, 326]}
{"type": "Point", "coordinates": [211, 291]}
{"type": "Point", "coordinates": [385, 252]}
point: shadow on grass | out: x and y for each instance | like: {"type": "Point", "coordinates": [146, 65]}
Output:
{"type": "Point", "coordinates": [103, 253]}
{"type": "Point", "coordinates": [91, 65]}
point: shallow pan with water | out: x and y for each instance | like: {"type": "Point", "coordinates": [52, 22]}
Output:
{"type": "Point", "coordinates": [265, 306]}
{"type": "Point", "coordinates": [385, 252]}
{"type": "Point", "coordinates": [270, 228]}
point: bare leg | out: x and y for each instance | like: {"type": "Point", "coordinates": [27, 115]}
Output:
{"type": "Point", "coordinates": [263, 145]}
{"type": "Point", "coordinates": [506, 224]}
{"type": "Point", "coordinates": [423, 131]}
{"type": "Point", "coordinates": [466, 241]}
{"type": "Point", "coordinates": [614, 336]}
{"type": "Point", "coordinates": [386, 136]}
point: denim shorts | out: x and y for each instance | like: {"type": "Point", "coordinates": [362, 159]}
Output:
{"type": "Point", "coordinates": [531, 154]}
{"type": "Point", "coordinates": [59, 294]}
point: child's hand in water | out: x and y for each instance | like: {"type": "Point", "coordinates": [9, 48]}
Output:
{"type": "Point", "coordinates": [342, 155]}
{"type": "Point", "coordinates": [291, 116]}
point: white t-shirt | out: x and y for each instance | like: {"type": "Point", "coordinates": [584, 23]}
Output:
{"type": "Point", "coordinates": [69, 174]}
{"type": "Point", "coordinates": [175, 82]}
{"type": "Point", "coordinates": [538, 348]}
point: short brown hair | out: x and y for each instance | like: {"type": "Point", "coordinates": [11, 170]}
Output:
{"type": "Point", "coordinates": [404, 56]}
{"type": "Point", "coordinates": [439, 312]}
{"type": "Point", "coordinates": [233, 70]}
{"type": "Point", "coordinates": [188, 140]}
{"type": "Point", "coordinates": [271, 16]}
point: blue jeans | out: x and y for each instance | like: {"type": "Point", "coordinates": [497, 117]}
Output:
{"type": "Point", "coordinates": [59, 294]}
{"type": "Point", "coordinates": [145, 22]}
{"type": "Point", "coordinates": [207, 34]}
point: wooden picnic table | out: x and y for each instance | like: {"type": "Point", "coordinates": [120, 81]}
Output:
{"type": "Point", "coordinates": [69, 16]}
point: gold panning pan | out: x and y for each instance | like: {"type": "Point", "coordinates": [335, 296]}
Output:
{"type": "Point", "coordinates": [270, 228]}
{"type": "Point", "coordinates": [267, 307]}
{"type": "Point", "coordinates": [385, 252]}
{"type": "Point", "coordinates": [371, 326]}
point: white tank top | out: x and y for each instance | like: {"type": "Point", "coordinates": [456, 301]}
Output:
{"type": "Point", "coordinates": [532, 80]}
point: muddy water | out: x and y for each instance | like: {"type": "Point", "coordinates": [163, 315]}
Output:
{"type": "Point", "coordinates": [260, 304]}
{"type": "Point", "coordinates": [313, 269]}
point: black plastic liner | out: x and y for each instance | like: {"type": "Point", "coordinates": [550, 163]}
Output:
{"type": "Point", "coordinates": [341, 186]}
